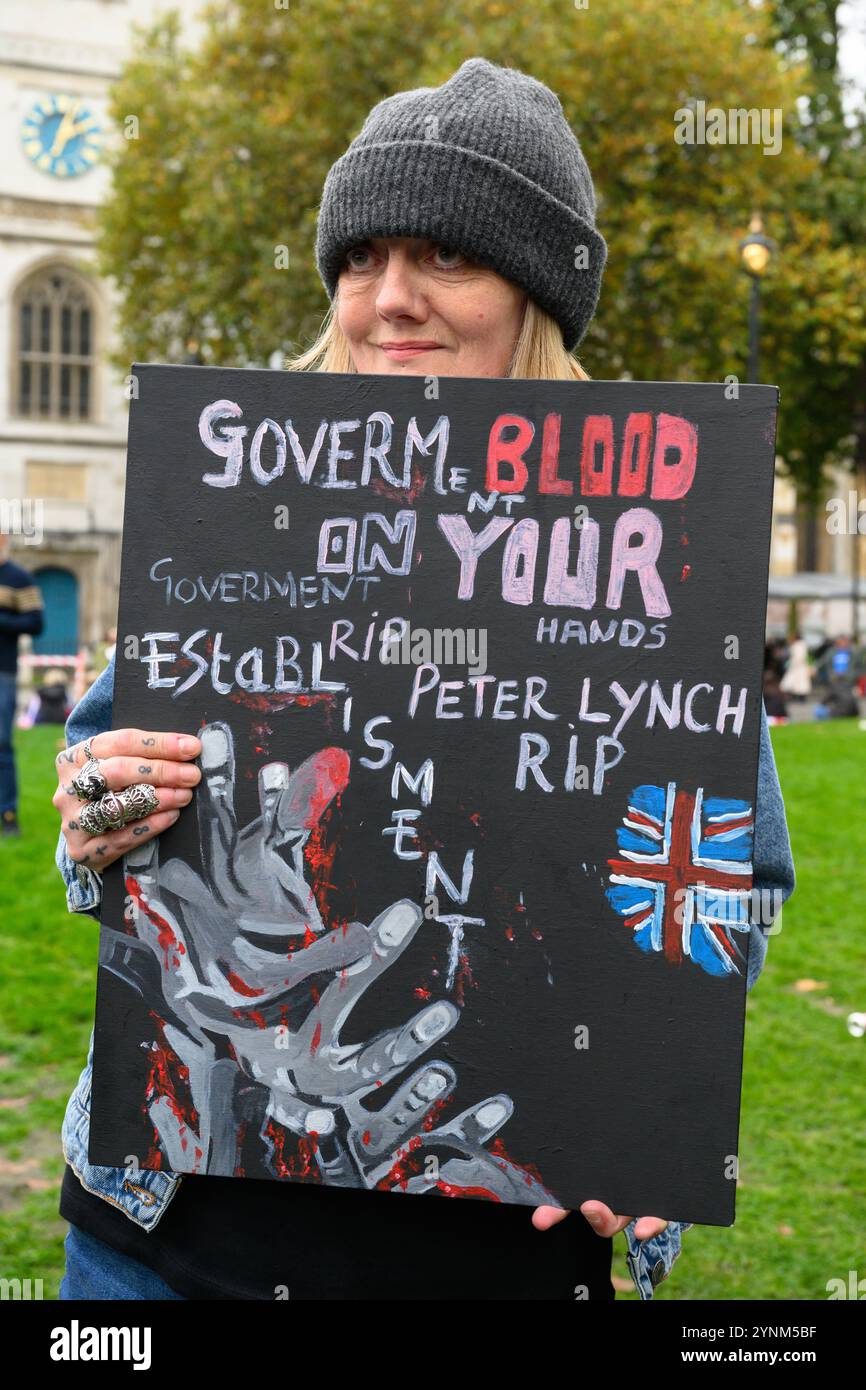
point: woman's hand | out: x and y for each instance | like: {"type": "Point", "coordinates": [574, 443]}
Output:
{"type": "Point", "coordinates": [126, 756]}
{"type": "Point", "coordinates": [601, 1219]}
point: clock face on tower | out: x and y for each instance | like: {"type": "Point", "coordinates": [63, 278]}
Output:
{"type": "Point", "coordinates": [61, 136]}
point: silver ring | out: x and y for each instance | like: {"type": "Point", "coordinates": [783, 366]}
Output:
{"type": "Point", "coordinates": [116, 809]}
{"type": "Point", "coordinates": [89, 783]}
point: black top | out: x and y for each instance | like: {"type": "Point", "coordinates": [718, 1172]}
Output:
{"type": "Point", "coordinates": [20, 611]}
{"type": "Point", "coordinates": [230, 1238]}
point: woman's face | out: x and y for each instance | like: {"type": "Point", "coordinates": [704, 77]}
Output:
{"type": "Point", "coordinates": [413, 307]}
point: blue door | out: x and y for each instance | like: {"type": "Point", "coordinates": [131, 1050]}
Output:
{"type": "Point", "coordinates": [60, 596]}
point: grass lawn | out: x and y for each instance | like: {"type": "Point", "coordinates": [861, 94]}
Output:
{"type": "Point", "coordinates": [802, 1187]}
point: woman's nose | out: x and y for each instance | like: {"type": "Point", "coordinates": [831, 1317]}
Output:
{"type": "Point", "coordinates": [399, 291]}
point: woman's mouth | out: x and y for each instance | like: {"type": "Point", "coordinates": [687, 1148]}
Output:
{"type": "Point", "coordinates": [400, 352]}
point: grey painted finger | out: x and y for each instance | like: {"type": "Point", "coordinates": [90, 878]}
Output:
{"type": "Point", "coordinates": [216, 810]}
{"type": "Point", "coordinates": [390, 933]}
{"type": "Point", "coordinates": [378, 1134]}
{"type": "Point", "coordinates": [387, 1055]}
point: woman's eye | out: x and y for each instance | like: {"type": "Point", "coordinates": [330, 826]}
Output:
{"type": "Point", "coordinates": [356, 251]}
{"type": "Point", "coordinates": [446, 253]}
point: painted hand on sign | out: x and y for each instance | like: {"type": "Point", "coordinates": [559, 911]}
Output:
{"type": "Point", "coordinates": [256, 990]}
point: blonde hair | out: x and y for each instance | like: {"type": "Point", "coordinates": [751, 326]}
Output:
{"type": "Point", "coordinates": [538, 352]}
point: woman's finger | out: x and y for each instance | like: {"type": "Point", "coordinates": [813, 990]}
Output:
{"type": "Point", "coordinates": [98, 851]}
{"type": "Point", "coordinates": [168, 799]}
{"type": "Point", "coordinates": [602, 1220]}
{"type": "Point", "coordinates": [121, 772]}
{"type": "Point", "coordinates": [102, 850]}
{"type": "Point", "coordinates": [647, 1226]}
{"type": "Point", "coordinates": [606, 1223]}
{"type": "Point", "coordinates": [545, 1217]}
{"type": "Point", "coordinates": [133, 743]}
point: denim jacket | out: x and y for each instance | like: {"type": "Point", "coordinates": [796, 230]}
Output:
{"type": "Point", "coordinates": [144, 1194]}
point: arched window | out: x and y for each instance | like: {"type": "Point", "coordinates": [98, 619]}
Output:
{"type": "Point", "coordinates": [55, 349]}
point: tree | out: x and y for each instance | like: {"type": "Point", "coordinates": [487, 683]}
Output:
{"type": "Point", "coordinates": [827, 407]}
{"type": "Point", "coordinates": [210, 227]}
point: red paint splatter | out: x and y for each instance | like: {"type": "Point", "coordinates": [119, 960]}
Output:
{"type": "Point", "coordinates": [417, 484]}
{"type": "Point", "coordinates": [463, 978]}
{"type": "Point", "coordinates": [528, 1169]}
{"type": "Point", "coordinates": [168, 1078]}
{"type": "Point", "coordinates": [166, 937]}
{"type": "Point", "coordinates": [302, 1164]}
{"type": "Point", "coordinates": [252, 1014]}
{"type": "Point", "coordinates": [239, 1144]}
{"type": "Point", "coordinates": [425, 839]}
{"type": "Point", "coordinates": [686, 571]}
{"type": "Point", "coordinates": [277, 1137]}
{"type": "Point", "coordinates": [433, 1117]}
{"type": "Point", "coordinates": [319, 857]}
{"type": "Point", "coordinates": [239, 985]}
{"type": "Point", "coordinates": [451, 1189]}
{"type": "Point", "coordinates": [280, 699]}
{"type": "Point", "coordinates": [403, 1168]}
{"type": "Point", "coordinates": [307, 1150]}
{"type": "Point", "coordinates": [407, 1165]}
{"type": "Point", "coordinates": [330, 768]}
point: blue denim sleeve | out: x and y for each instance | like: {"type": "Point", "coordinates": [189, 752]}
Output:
{"type": "Point", "coordinates": [651, 1261]}
{"type": "Point", "coordinates": [773, 878]}
{"type": "Point", "coordinates": [92, 715]}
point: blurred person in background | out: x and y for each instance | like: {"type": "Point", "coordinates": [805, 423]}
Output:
{"type": "Point", "coordinates": [21, 610]}
{"type": "Point", "coordinates": [838, 674]}
{"type": "Point", "coordinates": [774, 699]}
{"type": "Point", "coordinates": [840, 658]}
{"type": "Point", "coordinates": [49, 703]}
{"type": "Point", "coordinates": [776, 656]}
{"type": "Point", "coordinates": [797, 680]}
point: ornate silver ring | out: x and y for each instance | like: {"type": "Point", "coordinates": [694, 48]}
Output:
{"type": "Point", "coordinates": [89, 783]}
{"type": "Point", "coordinates": [116, 809]}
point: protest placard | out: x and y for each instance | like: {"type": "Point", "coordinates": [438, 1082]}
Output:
{"type": "Point", "coordinates": [462, 902]}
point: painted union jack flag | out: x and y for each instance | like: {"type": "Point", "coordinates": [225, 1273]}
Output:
{"type": "Point", "coordinates": [683, 877]}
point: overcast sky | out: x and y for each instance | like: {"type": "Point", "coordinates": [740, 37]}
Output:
{"type": "Point", "coordinates": [852, 49]}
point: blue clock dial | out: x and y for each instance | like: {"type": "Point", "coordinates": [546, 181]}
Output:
{"type": "Point", "coordinates": [61, 136]}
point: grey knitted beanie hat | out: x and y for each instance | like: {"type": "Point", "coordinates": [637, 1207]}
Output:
{"type": "Point", "coordinates": [487, 165]}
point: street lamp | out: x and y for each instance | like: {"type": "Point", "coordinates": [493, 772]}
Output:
{"type": "Point", "coordinates": [755, 250]}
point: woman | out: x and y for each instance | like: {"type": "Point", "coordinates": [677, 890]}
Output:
{"type": "Point", "coordinates": [797, 680]}
{"type": "Point", "coordinates": [456, 237]}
